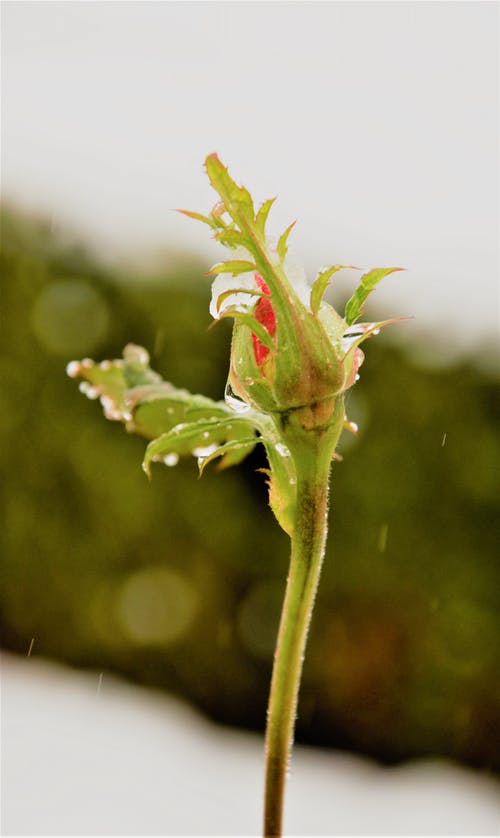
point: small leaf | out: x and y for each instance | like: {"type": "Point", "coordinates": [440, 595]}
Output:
{"type": "Point", "coordinates": [234, 267]}
{"type": "Point", "coordinates": [282, 247]}
{"type": "Point", "coordinates": [262, 215]}
{"type": "Point", "coordinates": [368, 282]}
{"type": "Point", "coordinates": [321, 283]}
{"type": "Point", "coordinates": [187, 436]}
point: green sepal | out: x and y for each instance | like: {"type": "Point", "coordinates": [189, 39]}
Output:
{"type": "Point", "coordinates": [237, 199]}
{"type": "Point", "coordinates": [262, 215]}
{"type": "Point", "coordinates": [225, 294]}
{"type": "Point", "coordinates": [212, 220]}
{"type": "Point", "coordinates": [233, 266]}
{"type": "Point", "coordinates": [232, 238]}
{"type": "Point", "coordinates": [367, 283]}
{"type": "Point", "coordinates": [282, 246]}
{"type": "Point", "coordinates": [250, 321]}
{"type": "Point", "coordinates": [320, 285]}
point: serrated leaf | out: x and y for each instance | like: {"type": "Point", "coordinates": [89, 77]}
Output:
{"type": "Point", "coordinates": [232, 453]}
{"type": "Point", "coordinates": [187, 437]}
{"type": "Point", "coordinates": [320, 285]}
{"type": "Point", "coordinates": [262, 215]}
{"type": "Point", "coordinates": [368, 282]}
{"type": "Point", "coordinates": [282, 246]}
{"type": "Point", "coordinates": [234, 267]}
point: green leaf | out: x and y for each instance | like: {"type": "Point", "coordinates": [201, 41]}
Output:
{"type": "Point", "coordinates": [368, 282]}
{"type": "Point", "coordinates": [235, 267]}
{"type": "Point", "coordinates": [262, 215]}
{"type": "Point", "coordinates": [232, 453]}
{"type": "Point", "coordinates": [191, 438]}
{"type": "Point", "coordinates": [134, 394]}
{"type": "Point", "coordinates": [321, 283]}
{"type": "Point", "coordinates": [282, 247]}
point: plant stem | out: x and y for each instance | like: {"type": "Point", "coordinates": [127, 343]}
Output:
{"type": "Point", "coordinates": [308, 547]}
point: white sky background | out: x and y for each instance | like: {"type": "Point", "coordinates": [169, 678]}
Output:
{"type": "Point", "coordinates": [375, 123]}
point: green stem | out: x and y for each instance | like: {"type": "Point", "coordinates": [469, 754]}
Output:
{"type": "Point", "coordinates": [308, 547]}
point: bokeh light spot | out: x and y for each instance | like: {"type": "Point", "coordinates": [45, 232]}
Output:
{"type": "Point", "coordinates": [70, 317]}
{"type": "Point", "coordinates": [156, 606]}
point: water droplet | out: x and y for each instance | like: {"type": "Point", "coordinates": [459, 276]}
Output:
{"type": "Point", "coordinates": [205, 451]}
{"type": "Point", "coordinates": [234, 401]}
{"type": "Point", "coordinates": [357, 377]}
{"type": "Point", "coordinates": [73, 369]}
{"type": "Point", "coordinates": [205, 435]}
{"type": "Point", "coordinates": [282, 450]}
{"type": "Point", "coordinates": [376, 332]}
{"type": "Point", "coordinates": [88, 390]}
{"type": "Point", "coordinates": [353, 333]}
{"type": "Point", "coordinates": [171, 459]}
{"type": "Point", "coordinates": [352, 427]}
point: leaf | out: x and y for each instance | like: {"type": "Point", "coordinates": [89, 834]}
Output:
{"type": "Point", "coordinates": [231, 452]}
{"type": "Point", "coordinates": [134, 394]}
{"type": "Point", "coordinates": [321, 283]}
{"type": "Point", "coordinates": [368, 282]}
{"type": "Point", "coordinates": [282, 247]}
{"type": "Point", "coordinates": [235, 267]}
{"type": "Point", "coordinates": [262, 215]}
{"type": "Point", "coordinates": [191, 437]}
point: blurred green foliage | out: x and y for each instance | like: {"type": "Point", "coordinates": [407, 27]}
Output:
{"type": "Point", "coordinates": [178, 583]}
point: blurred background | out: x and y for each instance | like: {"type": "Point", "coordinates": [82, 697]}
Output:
{"type": "Point", "coordinates": [375, 124]}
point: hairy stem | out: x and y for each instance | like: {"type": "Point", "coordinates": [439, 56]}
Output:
{"type": "Point", "coordinates": [308, 547]}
